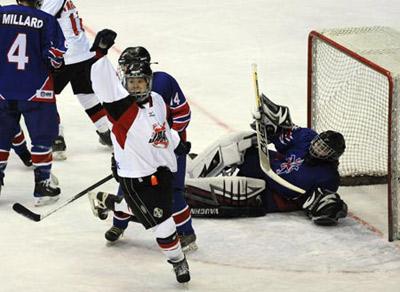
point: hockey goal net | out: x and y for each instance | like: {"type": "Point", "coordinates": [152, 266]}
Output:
{"type": "Point", "coordinates": [353, 87]}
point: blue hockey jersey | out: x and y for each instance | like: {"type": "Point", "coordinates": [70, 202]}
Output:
{"type": "Point", "coordinates": [290, 163]}
{"type": "Point", "coordinates": [31, 44]}
{"type": "Point", "coordinates": [179, 110]}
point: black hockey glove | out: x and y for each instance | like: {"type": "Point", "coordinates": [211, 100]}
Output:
{"type": "Point", "coordinates": [183, 148]}
{"type": "Point", "coordinates": [114, 168]}
{"type": "Point", "coordinates": [103, 41]}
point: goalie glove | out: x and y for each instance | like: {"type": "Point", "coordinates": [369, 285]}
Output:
{"type": "Point", "coordinates": [272, 117]}
{"type": "Point", "coordinates": [325, 207]}
{"type": "Point", "coordinates": [103, 41]}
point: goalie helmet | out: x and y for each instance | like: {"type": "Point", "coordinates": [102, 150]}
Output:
{"type": "Point", "coordinates": [325, 208]}
{"type": "Point", "coordinates": [135, 72]}
{"type": "Point", "coordinates": [328, 145]}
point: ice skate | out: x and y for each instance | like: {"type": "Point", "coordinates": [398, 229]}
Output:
{"type": "Point", "coordinates": [188, 242]}
{"type": "Point", "coordinates": [45, 193]}
{"type": "Point", "coordinates": [59, 149]}
{"type": "Point", "coordinates": [114, 233]}
{"type": "Point", "coordinates": [105, 138]}
{"type": "Point", "coordinates": [181, 270]}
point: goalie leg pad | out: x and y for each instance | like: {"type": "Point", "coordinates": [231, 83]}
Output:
{"type": "Point", "coordinates": [223, 197]}
{"type": "Point", "coordinates": [226, 152]}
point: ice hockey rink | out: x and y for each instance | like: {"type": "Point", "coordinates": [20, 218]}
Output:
{"type": "Point", "coordinates": [209, 47]}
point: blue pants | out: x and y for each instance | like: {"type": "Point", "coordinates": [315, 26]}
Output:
{"type": "Point", "coordinates": [41, 122]}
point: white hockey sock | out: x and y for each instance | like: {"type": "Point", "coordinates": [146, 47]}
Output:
{"type": "Point", "coordinates": [168, 240]}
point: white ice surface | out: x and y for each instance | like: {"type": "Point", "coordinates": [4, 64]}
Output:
{"type": "Point", "coordinates": [208, 46]}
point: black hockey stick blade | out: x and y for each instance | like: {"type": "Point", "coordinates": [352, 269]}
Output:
{"type": "Point", "coordinates": [20, 209]}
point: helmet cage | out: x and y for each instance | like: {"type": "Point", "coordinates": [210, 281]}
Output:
{"type": "Point", "coordinates": [321, 150]}
{"type": "Point", "coordinates": [136, 70]}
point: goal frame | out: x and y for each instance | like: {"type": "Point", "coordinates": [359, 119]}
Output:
{"type": "Point", "coordinates": [392, 178]}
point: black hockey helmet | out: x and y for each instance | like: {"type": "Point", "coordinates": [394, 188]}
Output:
{"type": "Point", "coordinates": [134, 54]}
{"type": "Point", "coordinates": [328, 145]}
{"type": "Point", "coordinates": [134, 62]}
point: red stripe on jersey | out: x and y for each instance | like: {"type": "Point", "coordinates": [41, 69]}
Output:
{"type": "Point", "coordinates": [179, 126]}
{"type": "Point", "coordinates": [182, 217]}
{"type": "Point", "coordinates": [98, 115]}
{"type": "Point", "coordinates": [42, 158]}
{"type": "Point", "coordinates": [19, 138]}
{"type": "Point", "coordinates": [122, 125]}
{"type": "Point", "coordinates": [180, 111]}
{"type": "Point", "coordinates": [4, 155]}
{"type": "Point", "coordinates": [48, 86]}
{"type": "Point", "coordinates": [170, 245]}
{"type": "Point", "coordinates": [56, 52]}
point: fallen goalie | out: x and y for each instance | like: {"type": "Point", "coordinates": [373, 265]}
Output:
{"type": "Point", "coordinates": [226, 180]}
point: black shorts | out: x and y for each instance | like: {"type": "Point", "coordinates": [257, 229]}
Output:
{"type": "Point", "coordinates": [77, 74]}
{"type": "Point", "coordinates": [150, 198]}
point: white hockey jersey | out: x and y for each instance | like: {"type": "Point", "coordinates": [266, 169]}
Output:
{"type": "Point", "coordinates": [71, 24]}
{"type": "Point", "coordinates": [142, 138]}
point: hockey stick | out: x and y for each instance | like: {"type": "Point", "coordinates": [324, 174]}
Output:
{"type": "Point", "coordinates": [263, 143]}
{"type": "Point", "coordinates": [38, 217]}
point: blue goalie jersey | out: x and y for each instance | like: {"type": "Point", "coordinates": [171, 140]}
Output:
{"type": "Point", "coordinates": [31, 44]}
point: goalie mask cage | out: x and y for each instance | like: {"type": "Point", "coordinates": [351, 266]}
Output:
{"type": "Point", "coordinates": [353, 88]}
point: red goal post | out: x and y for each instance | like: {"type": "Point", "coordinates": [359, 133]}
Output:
{"type": "Point", "coordinates": [353, 88]}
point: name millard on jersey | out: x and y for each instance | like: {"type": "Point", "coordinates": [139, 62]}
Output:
{"type": "Point", "coordinates": [22, 20]}
{"type": "Point", "coordinates": [159, 138]}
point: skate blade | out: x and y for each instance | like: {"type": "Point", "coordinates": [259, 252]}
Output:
{"type": "Point", "coordinates": [59, 155]}
{"type": "Point", "coordinates": [43, 201]}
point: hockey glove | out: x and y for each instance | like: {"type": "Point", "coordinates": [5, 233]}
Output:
{"type": "Point", "coordinates": [183, 148]}
{"type": "Point", "coordinates": [103, 41]}
{"type": "Point", "coordinates": [324, 207]}
{"type": "Point", "coordinates": [56, 58]}
{"type": "Point", "coordinates": [114, 168]}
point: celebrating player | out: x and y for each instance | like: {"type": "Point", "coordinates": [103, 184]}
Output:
{"type": "Point", "coordinates": [32, 44]}
{"type": "Point", "coordinates": [226, 179]}
{"type": "Point", "coordinates": [144, 147]}
{"type": "Point", "coordinates": [179, 118]}
{"type": "Point", "coordinates": [77, 61]}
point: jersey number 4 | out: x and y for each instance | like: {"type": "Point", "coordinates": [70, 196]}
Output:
{"type": "Point", "coordinates": [17, 52]}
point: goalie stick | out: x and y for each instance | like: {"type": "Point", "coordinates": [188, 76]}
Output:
{"type": "Point", "coordinates": [263, 143]}
{"type": "Point", "coordinates": [20, 209]}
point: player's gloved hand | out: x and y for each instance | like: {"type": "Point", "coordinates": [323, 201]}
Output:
{"type": "Point", "coordinates": [183, 148]}
{"type": "Point", "coordinates": [114, 168]}
{"type": "Point", "coordinates": [56, 58]}
{"type": "Point", "coordinates": [103, 41]}
{"type": "Point", "coordinates": [265, 124]}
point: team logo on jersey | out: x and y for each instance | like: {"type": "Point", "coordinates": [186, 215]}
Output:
{"type": "Point", "coordinates": [158, 213]}
{"type": "Point", "coordinates": [159, 138]}
{"type": "Point", "coordinates": [292, 164]}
